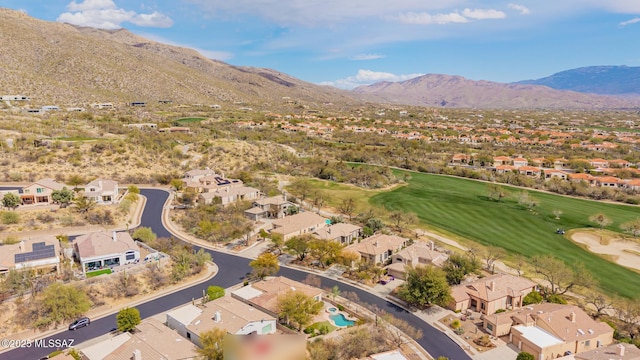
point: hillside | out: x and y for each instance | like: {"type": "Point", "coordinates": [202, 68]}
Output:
{"type": "Point", "coordinates": [606, 80]}
{"type": "Point", "coordinates": [64, 64]}
{"type": "Point", "coordinates": [458, 92]}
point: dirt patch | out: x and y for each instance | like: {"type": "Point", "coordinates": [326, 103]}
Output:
{"type": "Point", "coordinates": [624, 251]}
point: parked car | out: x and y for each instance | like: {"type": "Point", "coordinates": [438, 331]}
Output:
{"type": "Point", "coordinates": [82, 322]}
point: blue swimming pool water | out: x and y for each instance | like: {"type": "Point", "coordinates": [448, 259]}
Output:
{"type": "Point", "coordinates": [340, 320]}
{"type": "Point", "coordinates": [332, 310]}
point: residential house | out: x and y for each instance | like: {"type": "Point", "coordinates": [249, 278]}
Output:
{"type": "Point", "coordinates": [599, 163]}
{"type": "Point", "coordinates": [553, 173]}
{"type": "Point", "coordinates": [151, 340]}
{"type": "Point", "coordinates": [520, 162]}
{"type": "Point", "coordinates": [40, 192]}
{"type": "Point", "coordinates": [620, 351]}
{"type": "Point", "coordinates": [420, 253]}
{"type": "Point", "coordinates": [503, 169]}
{"type": "Point", "coordinates": [619, 163]}
{"type": "Point", "coordinates": [229, 195]}
{"type": "Point", "coordinates": [609, 181]}
{"type": "Point", "coordinates": [100, 250]}
{"type": "Point", "coordinates": [633, 184]}
{"type": "Point", "coordinates": [461, 159]}
{"type": "Point", "coordinates": [299, 224]}
{"type": "Point", "coordinates": [274, 207]}
{"type": "Point", "coordinates": [495, 292]}
{"type": "Point", "coordinates": [227, 313]}
{"type": "Point", "coordinates": [40, 253]}
{"type": "Point", "coordinates": [102, 191]}
{"type": "Point", "coordinates": [341, 232]}
{"type": "Point", "coordinates": [548, 331]}
{"type": "Point", "coordinates": [579, 177]}
{"type": "Point", "coordinates": [378, 248]}
{"type": "Point", "coordinates": [560, 163]}
{"type": "Point", "coordinates": [539, 161]}
{"type": "Point", "coordinates": [195, 175]}
{"type": "Point", "coordinates": [501, 160]}
{"type": "Point", "coordinates": [264, 294]}
{"type": "Point", "coordinates": [530, 171]}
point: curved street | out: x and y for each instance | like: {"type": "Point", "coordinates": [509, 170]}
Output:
{"type": "Point", "coordinates": [232, 270]}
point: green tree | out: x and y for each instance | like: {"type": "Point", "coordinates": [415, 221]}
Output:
{"type": "Point", "coordinates": [560, 276]}
{"type": "Point", "coordinates": [457, 266]}
{"type": "Point", "coordinates": [177, 184]}
{"type": "Point", "coordinates": [133, 189]}
{"type": "Point", "coordinates": [62, 302]}
{"type": "Point", "coordinates": [75, 180]}
{"type": "Point", "coordinates": [127, 319]}
{"type": "Point", "coordinates": [425, 286]}
{"type": "Point", "coordinates": [496, 192]}
{"type": "Point", "coordinates": [63, 197]}
{"type": "Point", "coordinates": [265, 265]}
{"type": "Point", "coordinates": [84, 204]}
{"type": "Point", "coordinates": [525, 356]}
{"type": "Point", "coordinates": [298, 309]}
{"type": "Point", "coordinates": [10, 201]}
{"type": "Point", "coordinates": [144, 234]}
{"type": "Point", "coordinates": [214, 292]}
{"type": "Point", "coordinates": [212, 342]}
{"type": "Point", "coordinates": [335, 292]}
{"type": "Point", "coordinates": [533, 297]}
{"type": "Point", "coordinates": [324, 251]}
{"type": "Point", "coordinates": [631, 227]}
{"type": "Point", "coordinates": [299, 245]}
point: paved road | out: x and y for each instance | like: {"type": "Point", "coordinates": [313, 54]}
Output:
{"type": "Point", "coordinates": [232, 270]}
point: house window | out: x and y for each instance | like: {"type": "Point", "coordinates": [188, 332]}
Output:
{"type": "Point", "coordinates": [490, 327]}
{"type": "Point", "coordinates": [587, 343]}
{"type": "Point", "coordinates": [130, 255]}
{"type": "Point", "coordinates": [39, 190]}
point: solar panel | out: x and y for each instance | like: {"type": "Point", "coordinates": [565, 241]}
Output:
{"type": "Point", "coordinates": [40, 251]}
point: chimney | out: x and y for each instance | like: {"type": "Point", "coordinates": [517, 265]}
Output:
{"type": "Point", "coordinates": [492, 285]}
{"type": "Point", "coordinates": [115, 237]}
{"type": "Point", "coordinates": [284, 196]}
{"type": "Point", "coordinates": [432, 245]}
{"type": "Point", "coordinates": [100, 184]}
{"type": "Point", "coordinates": [572, 316]}
{"type": "Point", "coordinates": [137, 355]}
{"type": "Point", "coordinates": [21, 246]}
{"type": "Point", "coordinates": [620, 349]}
{"type": "Point", "coordinates": [217, 316]}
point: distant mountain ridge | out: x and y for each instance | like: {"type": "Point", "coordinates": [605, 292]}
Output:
{"type": "Point", "coordinates": [456, 91]}
{"type": "Point", "coordinates": [56, 63]}
{"type": "Point", "coordinates": [604, 80]}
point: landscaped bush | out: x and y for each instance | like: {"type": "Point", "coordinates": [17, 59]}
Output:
{"type": "Point", "coordinates": [340, 307]}
{"type": "Point", "coordinates": [215, 292]}
{"type": "Point", "coordinates": [456, 324]}
{"type": "Point", "coordinates": [556, 299]}
{"type": "Point", "coordinates": [500, 311]}
{"type": "Point", "coordinates": [533, 297]}
{"type": "Point", "coordinates": [459, 331]}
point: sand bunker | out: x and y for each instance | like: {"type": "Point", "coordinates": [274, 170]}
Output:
{"type": "Point", "coordinates": [616, 248]}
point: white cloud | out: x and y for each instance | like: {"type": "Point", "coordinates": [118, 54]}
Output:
{"type": "Point", "coordinates": [104, 14]}
{"type": "Point", "coordinates": [361, 57]}
{"type": "Point", "coordinates": [629, 22]}
{"type": "Point", "coordinates": [366, 77]}
{"type": "Point", "coordinates": [427, 19]}
{"type": "Point", "coordinates": [520, 8]}
{"type": "Point", "coordinates": [482, 14]}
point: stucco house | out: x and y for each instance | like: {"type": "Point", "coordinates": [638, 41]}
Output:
{"type": "Point", "coordinates": [494, 292]}
{"type": "Point", "coordinates": [274, 207]}
{"type": "Point", "coordinates": [102, 191]}
{"type": "Point", "coordinates": [226, 313]}
{"type": "Point", "coordinates": [40, 192]}
{"type": "Point", "coordinates": [341, 232]}
{"type": "Point", "coordinates": [264, 294]}
{"type": "Point", "coordinates": [549, 331]}
{"type": "Point", "coordinates": [229, 195]}
{"type": "Point", "coordinates": [419, 253]}
{"type": "Point", "coordinates": [620, 351]}
{"type": "Point", "coordinates": [378, 248]}
{"type": "Point", "coordinates": [105, 249]}
{"type": "Point", "coordinates": [40, 253]}
{"type": "Point", "coordinates": [299, 224]}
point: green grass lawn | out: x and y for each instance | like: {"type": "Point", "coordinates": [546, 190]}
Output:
{"type": "Point", "coordinates": [316, 327]}
{"type": "Point", "coordinates": [461, 207]}
{"type": "Point", "coordinates": [98, 272]}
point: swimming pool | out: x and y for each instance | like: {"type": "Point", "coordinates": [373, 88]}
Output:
{"type": "Point", "coordinates": [332, 310]}
{"type": "Point", "coordinates": [340, 320]}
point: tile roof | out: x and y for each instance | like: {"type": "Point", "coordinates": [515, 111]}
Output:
{"type": "Point", "coordinates": [233, 316]}
{"type": "Point", "coordinates": [503, 285]}
{"type": "Point", "coordinates": [378, 244]}
{"type": "Point", "coordinates": [297, 222]}
{"type": "Point", "coordinates": [103, 243]}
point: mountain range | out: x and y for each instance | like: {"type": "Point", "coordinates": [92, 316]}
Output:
{"type": "Point", "coordinates": [56, 63]}
{"type": "Point", "coordinates": [606, 80]}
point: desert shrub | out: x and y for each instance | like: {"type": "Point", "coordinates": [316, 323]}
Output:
{"type": "Point", "coordinates": [557, 299]}
{"type": "Point", "coordinates": [533, 297]}
{"type": "Point", "coordinates": [45, 218]}
{"type": "Point", "coordinates": [456, 324]}
{"type": "Point", "coordinates": [10, 240]}
{"type": "Point", "coordinates": [10, 217]}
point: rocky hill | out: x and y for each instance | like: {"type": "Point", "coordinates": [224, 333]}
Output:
{"type": "Point", "coordinates": [458, 92]}
{"type": "Point", "coordinates": [609, 80]}
{"type": "Point", "coordinates": [65, 64]}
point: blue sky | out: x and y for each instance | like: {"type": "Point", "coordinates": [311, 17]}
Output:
{"type": "Point", "coordinates": [346, 43]}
